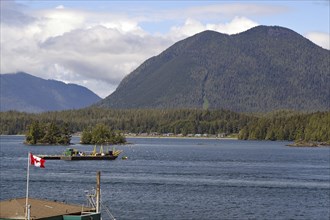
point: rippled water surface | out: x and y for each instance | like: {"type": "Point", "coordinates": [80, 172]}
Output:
{"type": "Point", "coordinates": [181, 179]}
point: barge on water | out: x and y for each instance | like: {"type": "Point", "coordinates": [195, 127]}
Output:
{"type": "Point", "coordinates": [74, 154]}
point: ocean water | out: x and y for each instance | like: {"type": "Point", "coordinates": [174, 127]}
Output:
{"type": "Point", "coordinates": [181, 179]}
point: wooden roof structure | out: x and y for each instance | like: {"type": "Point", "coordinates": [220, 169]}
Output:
{"type": "Point", "coordinates": [40, 209]}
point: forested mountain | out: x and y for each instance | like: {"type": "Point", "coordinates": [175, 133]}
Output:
{"type": "Point", "coordinates": [27, 93]}
{"type": "Point", "coordinates": [260, 70]}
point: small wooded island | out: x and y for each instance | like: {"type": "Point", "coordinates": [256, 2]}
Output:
{"type": "Point", "coordinates": [101, 134]}
{"type": "Point", "coordinates": [43, 133]}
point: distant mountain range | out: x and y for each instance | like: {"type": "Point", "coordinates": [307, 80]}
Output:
{"type": "Point", "coordinates": [26, 93]}
{"type": "Point", "coordinates": [263, 69]}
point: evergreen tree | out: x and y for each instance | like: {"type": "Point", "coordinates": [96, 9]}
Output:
{"type": "Point", "coordinates": [34, 134]}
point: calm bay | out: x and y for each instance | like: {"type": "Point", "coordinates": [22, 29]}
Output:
{"type": "Point", "coordinates": [172, 178]}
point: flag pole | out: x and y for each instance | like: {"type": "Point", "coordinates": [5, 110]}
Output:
{"type": "Point", "coordinates": [27, 213]}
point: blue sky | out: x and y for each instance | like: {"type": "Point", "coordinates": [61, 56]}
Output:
{"type": "Point", "coordinates": [300, 15]}
{"type": "Point", "coordinates": [97, 43]}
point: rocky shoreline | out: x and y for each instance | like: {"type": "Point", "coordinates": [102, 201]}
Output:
{"type": "Point", "coordinates": [309, 144]}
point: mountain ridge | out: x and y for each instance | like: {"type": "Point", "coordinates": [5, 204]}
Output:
{"type": "Point", "coordinates": [263, 69]}
{"type": "Point", "coordinates": [27, 93]}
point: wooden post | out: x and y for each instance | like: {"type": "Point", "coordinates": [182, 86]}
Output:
{"type": "Point", "coordinates": [98, 191]}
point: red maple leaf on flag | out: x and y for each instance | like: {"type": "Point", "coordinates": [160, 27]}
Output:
{"type": "Point", "coordinates": [37, 161]}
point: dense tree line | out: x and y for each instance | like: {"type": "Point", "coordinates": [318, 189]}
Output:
{"type": "Point", "coordinates": [286, 125]}
{"type": "Point", "coordinates": [280, 125]}
{"type": "Point", "coordinates": [184, 121]}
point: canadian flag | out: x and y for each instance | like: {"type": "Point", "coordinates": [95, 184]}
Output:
{"type": "Point", "coordinates": [37, 161]}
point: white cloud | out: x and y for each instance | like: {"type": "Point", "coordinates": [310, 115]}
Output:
{"type": "Point", "coordinates": [60, 7]}
{"type": "Point", "coordinates": [191, 27]}
{"type": "Point", "coordinates": [319, 38]}
{"type": "Point", "coordinates": [237, 25]}
{"type": "Point", "coordinates": [57, 22]}
{"type": "Point", "coordinates": [101, 53]}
